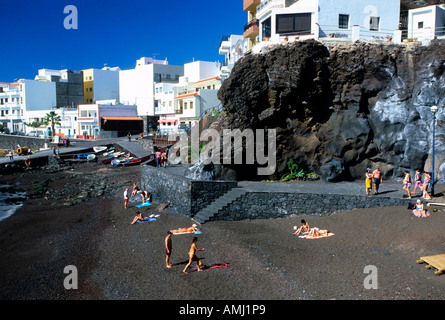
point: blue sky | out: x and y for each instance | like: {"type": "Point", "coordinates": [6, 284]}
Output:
{"type": "Point", "coordinates": [112, 32]}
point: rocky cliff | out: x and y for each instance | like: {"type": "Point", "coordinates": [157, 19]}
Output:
{"type": "Point", "coordinates": [340, 109]}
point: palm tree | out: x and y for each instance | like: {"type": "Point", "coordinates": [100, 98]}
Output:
{"type": "Point", "coordinates": [51, 118]}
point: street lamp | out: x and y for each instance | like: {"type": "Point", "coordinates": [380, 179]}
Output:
{"type": "Point", "coordinates": [434, 111]}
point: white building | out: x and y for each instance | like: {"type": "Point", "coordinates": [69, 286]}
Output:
{"type": "Point", "coordinates": [427, 23]}
{"type": "Point", "coordinates": [232, 48]}
{"type": "Point", "coordinates": [101, 84]}
{"type": "Point", "coordinates": [18, 102]}
{"type": "Point", "coordinates": [136, 86]}
{"type": "Point", "coordinates": [184, 103]}
{"type": "Point", "coordinates": [318, 19]}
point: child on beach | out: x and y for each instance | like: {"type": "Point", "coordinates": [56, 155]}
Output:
{"type": "Point", "coordinates": [426, 183]}
{"type": "Point", "coordinates": [125, 198]}
{"type": "Point", "coordinates": [368, 182]}
{"type": "Point", "coordinates": [417, 182]}
{"type": "Point", "coordinates": [192, 255]}
{"type": "Point", "coordinates": [420, 211]}
{"type": "Point", "coordinates": [168, 249]}
{"type": "Point", "coordinates": [407, 183]}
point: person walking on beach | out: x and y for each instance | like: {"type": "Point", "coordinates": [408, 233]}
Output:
{"type": "Point", "coordinates": [377, 175]}
{"type": "Point", "coordinates": [426, 183]}
{"type": "Point", "coordinates": [417, 182]}
{"type": "Point", "coordinates": [125, 198]}
{"type": "Point", "coordinates": [192, 255]}
{"type": "Point", "coordinates": [129, 136]}
{"type": "Point", "coordinates": [407, 183]}
{"type": "Point", "coordinates": [168, 249]}
{"type": "Point", "coordinates": [368, 182]}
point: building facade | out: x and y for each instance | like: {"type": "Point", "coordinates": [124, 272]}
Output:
{"type": "Point", "coordinates": [426, 23]}
{"type": "Point", "coordinates": [136, 86]}
{"type": "Point", "coordinates": [101, 84]}
{"type": "Point", "coordinates": [281, 20]}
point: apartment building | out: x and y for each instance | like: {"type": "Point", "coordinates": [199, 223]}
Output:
{"type": "Point", "coordinates": [101, 84]}
{"type": "Point", "coordinates": [232, 48]}
{"type": "Point", "coordinates": [277, 20]}
{"type": "Point", "coordinates": [136, 86]}
{"type": "Point", "coordinates": [427, 23]}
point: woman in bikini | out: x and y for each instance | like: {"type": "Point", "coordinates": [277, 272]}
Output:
{"type": "Point", "coordinates": [304, 227]}
{"type": "Point", "coordinates": [420, 210]}
{"type": "Point", "coordinates": [407, 183]}
{"type": "Point", "coordinates": [192, 255]}
{"type": "Point", "coordinates": [426, 183]}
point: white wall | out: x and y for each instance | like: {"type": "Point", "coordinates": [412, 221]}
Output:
{"type": "Point", "coordinates": [200, 70]}
{"type": "Point", "coordinates": [136, 86]}
{"type": "Point", "coordinates": [38, 95]}
{"type": "Point", "coordinates": [106, 84]}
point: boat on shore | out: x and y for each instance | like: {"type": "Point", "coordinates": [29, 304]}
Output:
{"type": "Point", "coordinates": [137, 161]}
{"type": "Point", "coordinates": [99, 148]}
{"type": "Point", "coordinates": [112, 157]}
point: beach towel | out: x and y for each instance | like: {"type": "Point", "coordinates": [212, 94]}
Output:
{"type": "Point", "coordinates": [146, 204]}
{"type": "Point", "coordinates": [186, 232]}
{"type": "Point", "coordinates": [146, 220]}
{"type": "Point", "coordinates": [215, 266]}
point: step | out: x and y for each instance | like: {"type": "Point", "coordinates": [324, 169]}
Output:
{"type": "Point", "coordinates": [206, 213]}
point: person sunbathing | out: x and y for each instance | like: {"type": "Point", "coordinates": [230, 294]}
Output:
{"type": "Point", "coordinates": [137, 217]}
{"type": "Point", "coordinates": [304, 227]}
{"type": "Point", "coordinates": [191, 229]}
{"type": "Point", "coordinates": [315, 232]}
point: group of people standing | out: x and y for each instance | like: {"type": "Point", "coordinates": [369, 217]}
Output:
{"type": "Point", "coordinates": [161, 158]}
{"type": "Point", "coordinates": [423, 186]}
{"type": "Point", "coordinates": [375, 177]}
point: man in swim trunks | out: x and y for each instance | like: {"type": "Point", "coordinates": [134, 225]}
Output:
{"type": "Point", "coordinates": [377, 175]}
{"type": "Point", "coordinates": [125, 197]}
{"type": "Point", "coordinates": [192, 255]}
{"type": "Point", "coordinates": [168, 249]}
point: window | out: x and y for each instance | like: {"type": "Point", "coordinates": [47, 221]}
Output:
{"type": "Point", "coordinates": [374, 23]}
{"type": "Point", "coordinates": [420, 25]}
{"type": "Point", "coordinates": [266, 29]}
{"type": "Point", "coordinates": [191, 105]}
{"type": "Point", "coordinates": [294, 23]}
{"type": "Point", "coordinates": [157, 77]}
{"type": "Point", "coordinates": [343, 21]}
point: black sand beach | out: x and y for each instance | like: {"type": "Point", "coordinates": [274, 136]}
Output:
{"type": "Point", "coordinates": [119, 261]}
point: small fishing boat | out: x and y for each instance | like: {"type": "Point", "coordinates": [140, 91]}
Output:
{"type": "Point", "coordinates": [112, 157]}
{"type": "Point", "coordinates": [120, 161]}
{"type": "Point", "coordinates": [99, 148]}
{"type": "Point", "coordinates": [137, 161]}
{"type": "Point", "coordinates": [91, 157]}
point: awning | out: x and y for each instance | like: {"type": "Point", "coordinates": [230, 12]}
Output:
{"type": "Point", "coordinates": [168, 120]}
{"type": "Point", "coordinates": [122, 118]}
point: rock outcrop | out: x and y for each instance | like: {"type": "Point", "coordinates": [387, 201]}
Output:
{"type": "Point", "coordinates": [340, 109]}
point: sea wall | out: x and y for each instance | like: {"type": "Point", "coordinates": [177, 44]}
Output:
{"type": "Point", "coordinates": [185, 195]}
{"type": "Point", "coordinates": [8, 141]}
{"type": "Point", "coordinates": [268, 205]}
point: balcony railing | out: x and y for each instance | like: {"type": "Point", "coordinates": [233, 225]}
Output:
{"type": "Point", "coordinates": [268, 4]}
{"type": "Point", "coordinates": [253, 23]}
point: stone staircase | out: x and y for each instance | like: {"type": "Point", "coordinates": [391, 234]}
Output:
{"type": "Point", "coordinates": [214, 207]}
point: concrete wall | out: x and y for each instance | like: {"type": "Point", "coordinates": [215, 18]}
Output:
{"type": "Point", "coordinates": [267, 205]}
{"type": "Point", "coordinates": [187, 196]}
{"type": "Point", "coordinates": [8, 141]}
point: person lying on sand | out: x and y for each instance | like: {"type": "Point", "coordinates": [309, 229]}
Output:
{"type": "Point", "coordinates": [304, 227]}
{"type": "Point", "coordinates": [137, 217]}
{"type": "Point", "coordinates": [191, 229]}
{"type": "Point", "coordinates": [315, 232]}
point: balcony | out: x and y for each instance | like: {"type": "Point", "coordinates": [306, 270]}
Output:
{"type": "Point", "coordinates": [252, 29]}
{"type": "Point", "coordinates": [267, 5]}
{"type": "Point", "coordinates": [250, 5]}
{"type": "Point", "coordinates": [224, 46]}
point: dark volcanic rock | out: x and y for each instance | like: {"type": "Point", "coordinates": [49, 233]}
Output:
{"type": "Point", "coordinates": [341, 109]}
